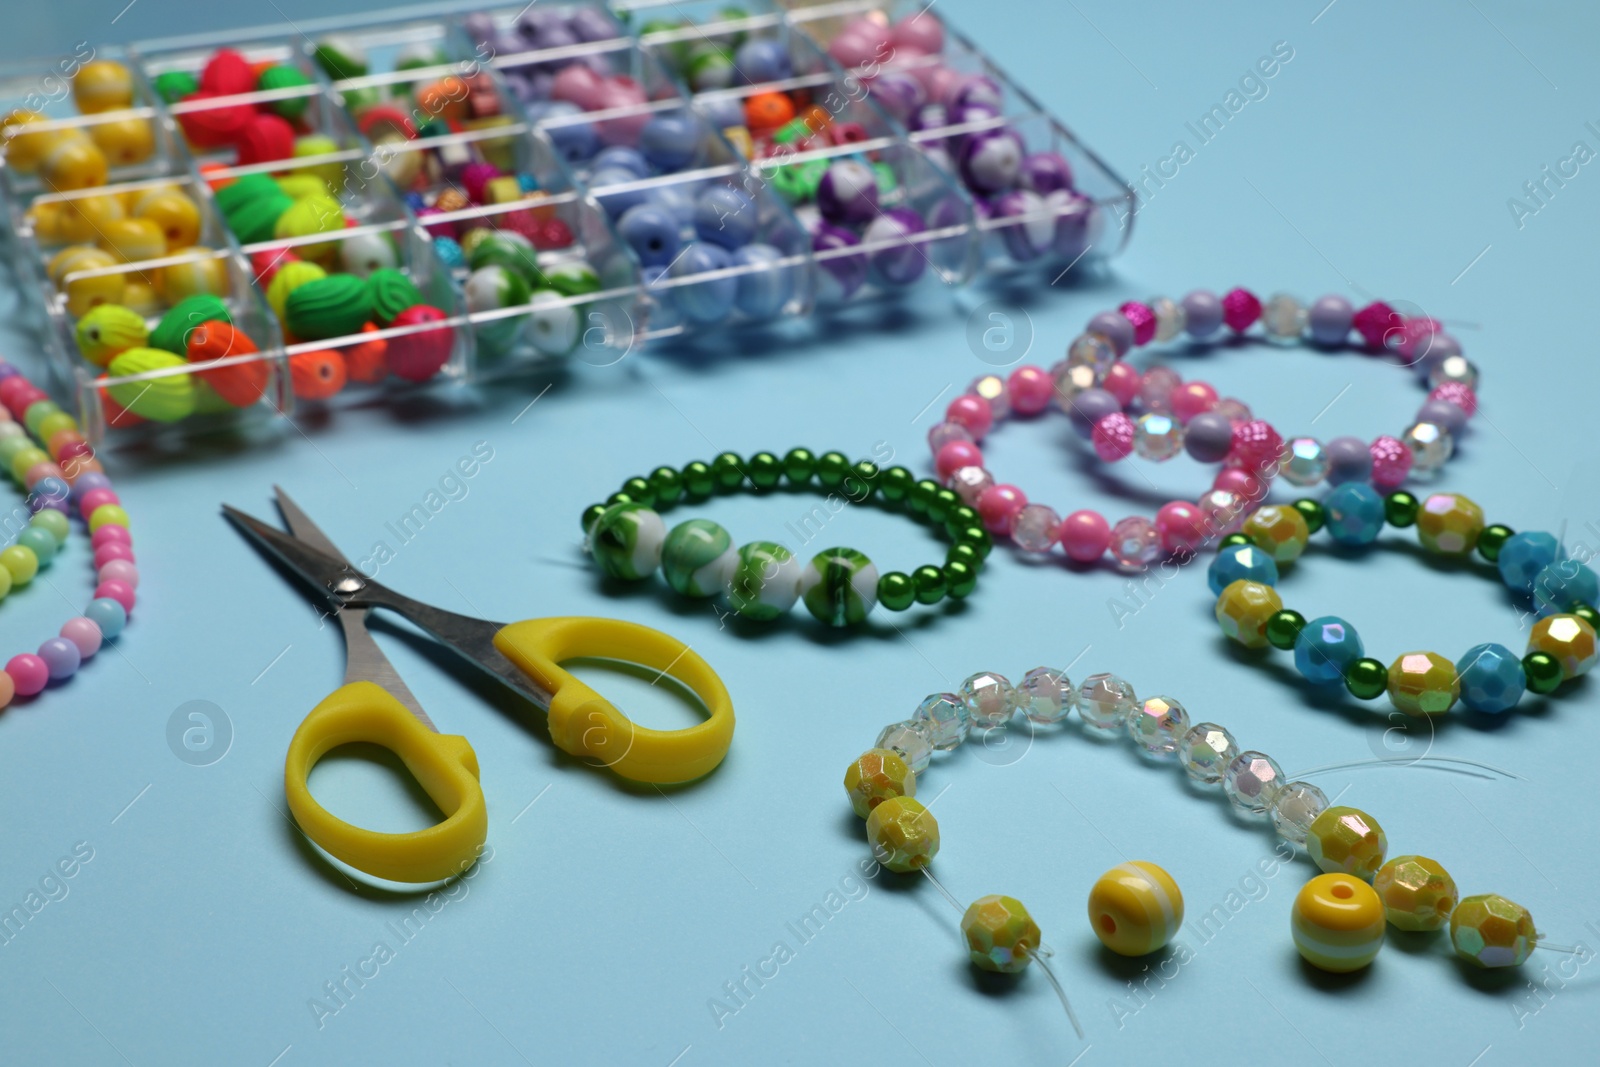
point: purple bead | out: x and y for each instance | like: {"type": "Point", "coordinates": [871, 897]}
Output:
{"type": "Point", "coordinates": [1114, 327]}
{"type": "Point", "coordinates": [1443, 413]}
{"type": "Point", "coordinates": [7, 371]}
{"type": "Point", "coordinates": [1089, 407]}
{"type": "Point", "coordinates": [90, 481]}
{"type": "Point", "coordinates": [848, 270]}
{"type": "Point", "coordinates": [1202, 313]}
{"type": "Point", "coordinates": [762, 59]}
{"type": "Point", "coordinates": [991, 161]}
{"type": "Point", "coordinates": [898, 93]}
{"type": "Point", "coordinates": [900, 261]}
{"type": "Point", "coordinates": [1330, 319]}
{"type": "Point", "coordinates": [977, 89]}
{"type": "Point", "coordinates": [1208, 437]}
{"type": "Point", "coordinates": [479, 26]}
{"type": "Point", "coordinates": [590, 24]}
{"type": "Point", "coordinates": [1078, 223]}
{"type": "Point", "coordinates": [61, 657]}
{"type": "Point", "coordinates": [1031, 238]}
{"type": "Point", "coordinates": [1045, 172]}
{"type": "Point", "coordinates": [1349, 460]}
{"type": "Point", "coordinates": [929, 117]}
{"type": "Point", "coordinates": [1439, 347]}
{"type": "Point", "coordinates": [848, 193]}
{"type": "Point", "coordinates": [554, 35]}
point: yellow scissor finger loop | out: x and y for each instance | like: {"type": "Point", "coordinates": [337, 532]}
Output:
{"type": "Point", "coordinates": [443, 764]}
{"type": "Point", "coordinates": [586, 724]}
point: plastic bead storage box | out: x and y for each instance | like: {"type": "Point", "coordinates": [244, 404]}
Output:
{"type": "Point", "coordinates": [221, 228]}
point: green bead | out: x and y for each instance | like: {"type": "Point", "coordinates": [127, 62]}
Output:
{"type": "Point", "coordinates": [764, 469]}
{"type": "Point", "coordinates": [1400, 508]}
{"type": "Point", "coordinates": [978, 538]}
{"type": "Point", "coordinates": [1543, 672]}
{"type": "Point", "coordinates": [37, 412]}
{"type": "Point", "coordinates": [626, 541]}
{"type": "Point", "coordinates": [698, 558]}
{"type": "Point", "coordinates": [728, 470]}
{"type": "Point", "coordinates": [1284, 627]}
{"type": "Point", "coordinates": [1582, 611]}
{"type": "Point", "coordinates": [1367, 679]}
{"type": "Point", "coordinates": [896, 484]}
{"type": "Point", "coordinates": [959, 517]}
{"type": "Point", "coordinates": [52, 522]}
{"type": "Point", "coordinates": [896, 591]}
{"type": "Point", "coordinates": [591, 513]}
{"type": "Point", "coordinates": [799, 465]}
{"type": "Point", "coordinates": [639, 489]}
{"type": "Point", "coordinates": [831, 469]}
{"type": "Point", "coordinates": [1492, 539]}
{"type": "Point", "coordinates": [1311, 511]}
{"type": "Point", "coordinates": [920, 498]}
{"type": "Point", "coordinates": [830, 590]}
{"type": "Point", "coordinates": [1235, 539]}
{"type": "Point", "coordinates": [944, 502]}
{"type": "Point", "coordinates": [44, 546]}
{"type": "Point", "coordinates": [931, 584]}
{"type": "Point", "coordinates": [960, 579]}
{"type": "Point", "coordinates": [667, 484]}
{"type": "Point", "coordinates": [862, 481]}
{"type": "Point", "coordinates": [698, 481]}
{"type": "Point", "coordinates": [619, 498]}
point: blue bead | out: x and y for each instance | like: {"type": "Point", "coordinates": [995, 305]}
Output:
{"type": "Point", "coordinates": [1353, 513]}
{"type": "Point", "coordinates": [651, 232]}
{"type": "Point", "coordinates": [1241, 561]}
{"type": "Point", "coordinates": [725, 216]}
{"type": "Point", "coordinates": [107, 614]}
{"type": "Point", "coordinates": [705, 301]}
{"type": "Point", "coordinates": [414, 201]}
{"type": "Point", "coordinates": [621, 157]}
{"type": "Point", "coordinates": [763, 291]}
{"type": "Point", "coordinates": [664, 315]}
{"type": "Point", "coordinates": [49, 492]}
{"type": "Point", "coordinates": [617, 202]}
{"type": "Point", "coordinates": [762, 60]}
{"type": "Point", "coordinates": [1492, 679]}
{"type": "Point", "coordinates": [527, 183]}
{"type": "Point", "coordinates": [575, 141]}
{"type": "Point", "coordinates": [722, 111]}
{"type": "Point", "coordinates": [449, 252]}
{"type": "Point", "coordinates": [671, 141]}
{"type": "Point", "coordinates": [1524, 555]}
{"type": "Point", "coordinates": [61, 656]}
{"type": "Point", "coordinates": [1563, 585]}
{"type": "Point", "coordinates": [678, 200]}
{"type": "Point", "coordinates": [1325, 649]}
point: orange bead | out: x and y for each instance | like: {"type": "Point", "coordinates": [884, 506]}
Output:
{"type": "Point", "coordinates": [61, 440]}
{"type": "Point", "coordinates": [368, 361]}
{"type": "Point", "coordinates": [768, 111]}
{"type": "Point", "coordinates": [117, 418]}
{"type": "Point", "coordinates": [216, 176]}
{"type": "Point", "coordinates": [817, 118]}
{"type": "Point", "coordinates": [240, 384]}
{"type": "Point", "coordinates": [445, 98]}
{"type": "Point", "coordinates": [316, 375]}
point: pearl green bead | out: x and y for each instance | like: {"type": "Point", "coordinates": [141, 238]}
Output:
{"type": "Point", "coordinates": [591, 513]}
{"type": "Point", "coordinates": [959, 518]}
{"type": "Point", "coordinates": [863, 480]}
{"type": "Point", "coordinates": [1235, 539]}
{"type": "Point", "coordinates": [944, 502]}
{"type": "Point", "coordinates": [896, 483]}
{"type": "Point", "coordinates": [799, 465]}
{"type": "Point", "coordinates": [896, 591]}
{"type": "Point", "coordinates": [1311, 511]}
{"type": "Point", "coordinates": [1366, 679]}
{"type": "Point", "coordinates": [640, 490]}
{"type": "Point", "coordinates": [1492, 539]}
{"type": "Point", "coordinates": [53, 522]}
{"type": "Point", "coordinates": [1284, 627]}
{"type": "Point", "coordinates": [619, 498]}
{"type": "Point", "coordinates": [978, 538]}
{"type": "Point", "coordinates": [698, 481]}
{"type": "Point", "coordinates": [960, 579]}
{"type": "Point", "coordinates": [667, 484]}
{"type": "Point", "coordinates": [728, 470]}
{"type": "Point", "coordinates": [831, 469]}
{"type": "Point", "coordinates": [920, 497]}
{"type": "Point", "coordinates": [1582, 611]}
{"type": "Point", "coordinates": [964, 553]}
{"type": "Point", "coordinates": [1543, 672]}
{"type": "Point", "coordinates": [1400, 508]}
{"type": "Point", "coordinates": [764, 470]}
{"type": "Point", "coordinates": [931, 584]}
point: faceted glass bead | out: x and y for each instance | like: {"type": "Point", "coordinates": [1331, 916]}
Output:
{"type": "Point", "coordinates": [1205, 751]}
{"type": "Point", "coordinates": [1347, 840]}
{"type": "Point", "coordinates": [1156, 388]}
{"type": "Point", "coordinates": [1105, 702]}
{"type": "Point", "coordinates": [1283, 318]}
{"type": "Point", "coordinates": [943, 433]}
{"type": "Point", "coordinates": [990, 699]}
{"type": "Point", "coordinates": [1305, 462]}
{"type": "Point", "coordinates": [969, 484]}
{"type": "Point", "coordinates": [1279, 530]}
{"type": "Point", "coordinates": [1035, 528]}
{"type": "Point", "coordinates": [946, 718]}
{"type": "Point", "coordinates": [1224, 511]}
{"type": "Point", "coordinates": [1295, 808]}
{"type": "Point", "coordinates": [993, 388]}
{"type": "Point", "coordinates": [1492, 678]}
{"type": "Point", "coordinates": [1001, 935]}
{"type": "Point", "coordinates": [912, 740]}
{"type": "Point", "coordinates": [1423, 683]}
{"type": "Point", "coordinates": [1135, 543]}
{"type": "Point", "coordinates": [877, 776]}
{"type": "Point", "coordinates": [1238, 562]}
{"type": "Point", "coordinates": [1337, 923]}
{"type": "Point", "coordinates": [1234, 410]}
{"type": "Point", "coordinates": [1252, 780]}
{"type": "Point", "coordinates": [1417, 893]}
{"type": "Point", "coordinates": [1325, 648]}
{"type": "Point", "coordinates": [1492, 931]}
{"type": "Point", "coordinates": [1157, 436]}
{"type": "Point", "coordinates": [1093, 351]}
{"type": "Point", "coordinates": [1568, 640]}
{"type": "Point", "coordinates": [1524, 555]}
{"type": "Point", "coordinates": [1071, 380]}
{"type": "Point", "coordinates": [1430, 445]}
{"type": "Point", "coordinates": [1453, 368]}
{"type": "Point", "coordinates": [1563, 585]}
{"type": "Point", "coordinates": [1449, 523]}
{"type": "Point", "coordinates": [1171, 319]}
{"type": "Point", "coordinates": [1353, 513]}
{"type": "Point", "coordinates": [1157, 725]}
{"type": "Point", "coordinates": [1243, 610]}
{"type": "Point", "coordinates": [903, 834]}
{"type": "Point", "coordinates": [1046, 695]}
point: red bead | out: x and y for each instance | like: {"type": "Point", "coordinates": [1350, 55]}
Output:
{"type": "Point", "coordinates": [1240, 309]}
{"type": "Point", "coordinates": [551, 234]}
{"type": "Point", "coordinates": [265, 138]}
{"type": "Point", "coordinates": [416, 357]}
{"type": "Point", "coordinates": [1379, 325]}
{"type": "Point", "coordinates": [1182, 526]}
{"type": "Point", "coordinates": [1143, 319]}
{"type": "Point", "coordinates": [971, 411]}
{"type": "Point", "coordinates": [1122, 382]}
{"type": "Point", "coordinates": [1113, 437]}
{"type": "Point", "coordinates": [1391, 462]}
{"type": "Point", "coordinates": [1257, 447]}
{"type": "Point", "coordinates": [217, 126]}
{"type": "Point", "coordinates": [1457, 393]}
{"type": "Point", "coordinates": [227, 73]}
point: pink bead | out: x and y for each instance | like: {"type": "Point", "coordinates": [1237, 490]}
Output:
{"type": "Point", "coordinates": [1182, 526]}
{"type": "Point", "coordinates": [954, 455]}
{"type": "Point", "coordinates": [939, 80]}
{"type": "Point", "coordinates": [1241, 483]}
{"type": "Point", "coordinates": [121, 592]}
{"type": "Point", "coordinates": [1143, 319]}
{"type": "Point", "coordinates": [111, 534]}
{"type": "Point", "coordinates": [119, 570]}
{"type": "Point", "coordinates": [28, 673]}
{"type": "Point", "coordinates": [84, 633]}
{"type": "Point", "coordinates": [973, 412]}
{"type": "Point", "coordinates": [111, 552]}
{"type": "Point", "coordinates": [1378, 324]}
{"type": "Point", "coordinates": [1457, 393]}
{"type": "Point", "coordinates": [1224, 512]}
{"type": "Point", "coordinates": [1084, 536]}
{"type": "Point", "coordinates": [94, 498]}
{"type": "Point", "coordinates": [1257, 447]}
{"type": "Point", "coordinates": [41, 470]}
{"type": "Point", "coordinates": [1113, 437]}
{"type": "Point", "coordinates": [1391, 462]}
{"type": "Point", "coordinates": [1191, 399]}
{"type": "Point", "coordinates": [1416, 334]}
{"type": "Point", "coordinates": [998, 505]}
{"type": "Point", "coordinates": [1122, 382]}
{"type": "Point", "coordinates": [1240, 309]}
{"type": "Point", "coordinates": [72, 450]}
{"type": "Point", "coordinates": [576, 84]}
{"type": "Point", "coordinates": [854, 50]}
{"type": "Point", "coordinates": [1030, 389]}
{"type": "Point", "coordinates": [922, 31]}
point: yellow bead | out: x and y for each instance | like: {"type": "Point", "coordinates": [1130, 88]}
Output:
{"type": "Point", "coordinates": [85, 294]}
{"type": "Point", "coordinates": [1570, 640]}
{"type": "Point", "coordinates": [877, 775]}
{"type": "Point", "coordinates": [54, 423]}
{"type": "Point", "coordinates": [20, 563]}
{"type": "Point", "coordinates": [1135, 908]}
{"type": "Point", "coordinates": [1337, 923]}
{"type": "Point", "coordinates": [201, 275]}
{"type": "Point", "coordinates": [1449, 523]}
{"type": "Point", "coordinates": [86, 217]}
{"type": "Point", "coordinates": [73, 162]}
{"type": "Point", "coordinates": [1001, 935]}
{"type": "Point", "coordinates": [1417, 893]}
{"type": "Point", "coordinates": [1491, 931]}
{"type": "Point", "coordinates": [1346, 841]}
{"type": "Point", "coordinates": [1423, 683]}
{"type": "Point", "coordinates": [1279, 531]}
{"type": "Point", "coordinates": [25, 460]}
{"type": "Point", "coordinates": [176, 214]}
{"type": "Point", "coordinates": [107, 515]}
{"type": "Point", "coordinates": [903, 834]}
{"type": "Point", "coordinates": [24, 150]}
{"type": "Point", "coordinates": [1243, 610]}
{"type": "Point", "coordinates": [134, 240]}
{"type": "Point", "coordinates": [102, 85]}
{"type": "Point", "coordinates": [141, 297]}
{"type": "Point", "coordinates": [124, 141]}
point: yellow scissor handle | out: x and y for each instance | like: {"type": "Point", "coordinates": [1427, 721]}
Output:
{"type": "Point", "coordinates": [443, 764]}
{"type": "Point", "coordinates": [584, 723]}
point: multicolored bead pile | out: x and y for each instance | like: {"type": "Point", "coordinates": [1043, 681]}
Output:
{"type": "Point", "coordinates": [216, 113]}
{"type": "Point", "coordinates": [1487, 678]}
{"type": "Point", "coordinates": [762, 580]}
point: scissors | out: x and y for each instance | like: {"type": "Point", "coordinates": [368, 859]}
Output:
{"type": "Point", "coordinates": [374, 706]}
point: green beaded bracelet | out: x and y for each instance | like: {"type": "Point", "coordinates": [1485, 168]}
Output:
{"type": "Point", "coordinates": [761, 580]}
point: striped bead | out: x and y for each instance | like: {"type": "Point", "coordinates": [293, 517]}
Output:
{"type": "Point", "coordinates": [1338, 923]}
{"type": "Point", "coordinates": [1135, 908]}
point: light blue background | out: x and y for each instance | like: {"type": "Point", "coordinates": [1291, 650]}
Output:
{"type": "Point", "coordinates": [1380, 162]}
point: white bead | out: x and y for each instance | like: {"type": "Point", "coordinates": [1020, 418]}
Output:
{"type": "Point", "coordinates": [1305, 462]}
{"type": "Point", "coordinates": [943, 433]}
{"type": "Point", "coordinates": [1036, 528]}
{"type": "Point", "coordinates": [968, 483]}
{"type": "Point", "coordinates": [993, 388]}
{"type": "Point", "coordinates": [1431, 446]}
{"type": "Point", "coordinates": [1283, 318]}
{"type": "Point", "coordinates": [1093, 351]}
{"type": "Point", "coordinates": [1157, 436]}
{"type": "Point", "coordinates": [910, 740]}
{"type": "Point", "coordinates": [990, 699]}
{"type": "Point", "coordinates": [1105, 702]}
{"type": "Point", "coordinates": [1157, 725]}
{"type": "Point", "coordinates": [1234, 409]}
{"type": "Point", "coordinates": [1135, 543]}
{"type": "Point", "coordinates": [1453, 369]}
{"type": "Point", "coordinates": [1252, 781]}
{"type": "Point", "coordinates": [946, 718]}
{"type": "Point", "coordinates": [1070, 381]}
{"type": "Point", "coordinates": [1206, 750]}
{"type": "Point", "coordinates": [1295, 808]}
{"type": "Point", "coordinates": [1156, 388]}
{"type": "Point", "coordinates": [1046, 695]}
{"type": "Point", "coordinates": [1170, 317]}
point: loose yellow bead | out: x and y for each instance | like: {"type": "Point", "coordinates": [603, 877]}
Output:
{"type": "Point", "coordinates": [107, 515]}
{"type": "Point", "coordinates": [1491, 931]}
{"type": "Point", "coordinates": [1346, 840]}
{"type": "Point", "coordinates": [1417, 893]}
{"type": "Point", "coordinates": [903, 834]}
{"type": "Point", "coordinates": [124, 141]}
{"type": "Point", "coordinates": [25, 460]}
{"type": "Point", "coordinates": [1337, 923]}
{"type": "Point", "coordinates": [1279, 531]}
{"type": "Point", "coordinates": [1423, 683]}
{"type": "Point", "coordinates": [134, 240]}
{"type": "Point", "coordinates": [20, 563]}
{"type": "Point", "coordinates": [1135, 908]}
{"type": "Point", "coordinates": [877, 775]}
{"type": "Point", "coordinates": [73, 161]}
{"type": "Point", "coordinates": [1569, 639]}
{"type": "Point", "coordinates": [202, 275]}
{"type": "Point", "coordinates": [1001, 935]}
{"type": "Point", "coordinates": [1243, 610]}
{"type": "Point", "coordinates": [1449, 523]}
{"type": "Point", "coordinates": [102, 85]}
{"type": "Point", "coordinates": [53, 424]}
{"type": "Point", "coordinates": [86, 217]}
{"type": "Point", "coordinates": [23, 151]}
{"type": "Point", "coordinates": [176, 214]}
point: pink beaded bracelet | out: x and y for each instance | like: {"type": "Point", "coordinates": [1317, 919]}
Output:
{"type": "Point", "coordinates": [1158, 415]}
